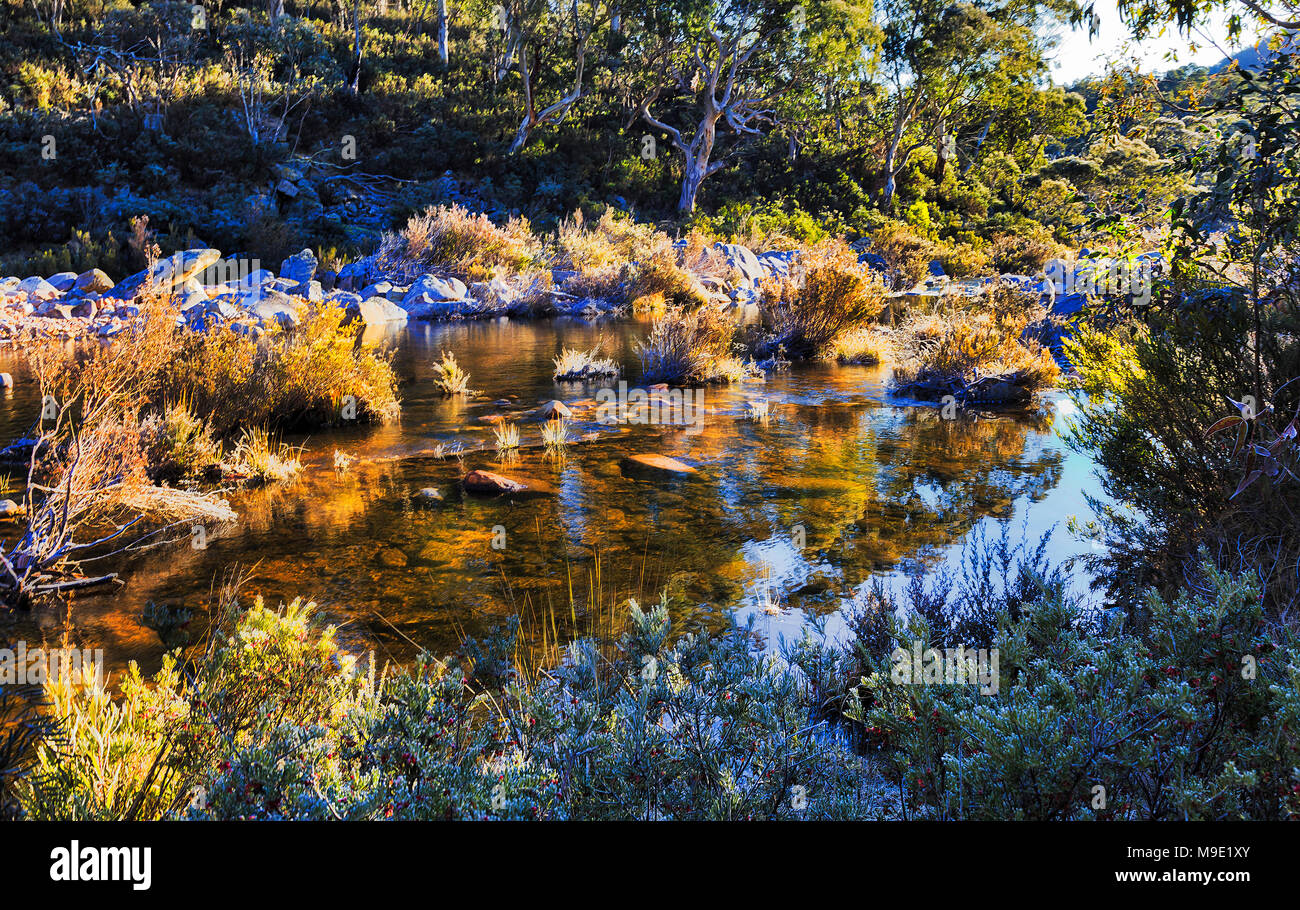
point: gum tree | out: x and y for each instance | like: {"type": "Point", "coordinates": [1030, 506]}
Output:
{"type": "Point", "coordinates": [551, 36]}
{"type": "Point", "coordinates": [714, 75]}
{"type": "Point", "coordinates": [941, 59]}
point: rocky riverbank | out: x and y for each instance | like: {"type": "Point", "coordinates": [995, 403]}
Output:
{"type": "Point", "coordinates": [208, 290]}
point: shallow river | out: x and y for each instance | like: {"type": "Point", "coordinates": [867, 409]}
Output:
{"type": "Point", "coordinates": [875, 485]}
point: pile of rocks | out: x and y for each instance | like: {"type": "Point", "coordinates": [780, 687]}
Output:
{"type": "Point", "coordinates": [207, 291]}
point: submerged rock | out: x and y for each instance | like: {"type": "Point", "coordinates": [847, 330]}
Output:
{"type": "Point", "coordinates": [391, 558]}
{"type": "Point", "coordinates": [487, 482]}
{"type": "Point", "coordinates": [654, 466]}
{"type": "Point", "coordinates": [555, 410]}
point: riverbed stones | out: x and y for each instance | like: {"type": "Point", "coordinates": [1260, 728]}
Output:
{"type": "Point", "coordinates": [63, 281]}
{"type": "Point", "coordinates": [256, 279]}
{"type": "Point", "coordinates": [38, 287]}
{"type": "Point", "coordinates": [777, 262]}
{"type": "Point", "coordinates": [167, 273]}
{"type": "Point", "coordinates": [9, 509]}
{"type": "Point", "coordinates": [654, 467]}
{"type": "Point", "coordinates": [376, 311]}
{"type": "Point", "coordinates": [488, 483]}
{"type": "Point", "coordinates": [93, 281]}
{"type": "Point", "coordinates": [434, 553]}
{"type": "Point", "coordinates": [995, 391]}
{"type": "Point", "coordinates": [352, 275]}
{"type": "Point", "coordinates": [391, 558]}
{"type": "Point", "coordinates": [1068, 304]}
{"type": "Point", "coordinates": [275, 307]}
{"type": "Point", "coordinates": [431, 297]}
{"type": "Point", "coordinates": [555, 410]}
{"type": "Point", "coordinates": [742, 259]}
{"type": "Point", "coordinates": [300, 268]}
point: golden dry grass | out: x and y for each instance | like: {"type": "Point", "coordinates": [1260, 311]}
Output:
{"type": "Point", "coordinates": [507, 436]}
{"type": "Point", "coordinates": [969, 346]}
{"type": "Point", "coordinates": [454, 240]}
{"type": "Point", "coordinates": [575, 364]}
{"type": "Point", "coordinates": [449, 378]}
{"type": "Point", "coordinates": [661, 272]}
{"type": "Point", "coordinates": [686, 346]}
{"type": "Point", "coordinates": [827, 295]}
{"type": "Point", "coordinates": [260, 456]}
{"type": "Point", "coordinates": [867, 346]}
{"type": "Point", "coordinates": [613, 241]}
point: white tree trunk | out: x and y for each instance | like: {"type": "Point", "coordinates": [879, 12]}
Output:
{"type": "Point", "coordinates": [690, 187]}
{"type": "Point", "coordinates": [891, 160]}
{"type": "Point", "coordinates": [697, 162]}
{"type": "Point", "coordinates": [442, 31]}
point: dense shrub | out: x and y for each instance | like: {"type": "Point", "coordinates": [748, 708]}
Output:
{"type": "Point", "coordinates": [661, 273]}
{"type": "Point", "coordinates": [453, 239]}
{"type": "Point", "coordinates": [907, 254]}
{"type": "Point", "coordinates": [689, 347]}
{"type": "Point", "coordinates": [828, 295]}
{"type": "Point", "coordinates": [950, 354]}
{"type": "Point", "coordinates": [276, 722]}
{"type": "Point", "coordinates": [1022, 253]}
{"type": "Point", "coordinates": [288, 379]}
{"type": "Point", "coordinates": [1189, 712]}
{"type": "Point", "coordinates": [1150, 394]}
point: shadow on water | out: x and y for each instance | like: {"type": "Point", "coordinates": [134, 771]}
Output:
{"type": "Point", "coordinates": [867, 486]}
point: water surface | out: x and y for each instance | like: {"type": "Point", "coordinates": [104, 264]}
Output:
{"type": "Point", "coordinates": [867, 483]}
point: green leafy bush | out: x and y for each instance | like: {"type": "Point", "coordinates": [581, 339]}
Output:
{"type": "Point", "coordinates": [1188, 712]}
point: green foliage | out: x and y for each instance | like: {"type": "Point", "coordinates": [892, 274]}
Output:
{"type": "Point", "coordinates": [146, 755]}
{"type": "Point", "coordinates": [1189, 712]}
{"type": "Point", "coordinates": [1188, 709]}
{"type": "Point", "coordinates": [277, 722]}
{"type": "Point", "coordinates": [196, 142]}
{"type": "Point", "coordinates": [1221, 331]}
{"type": "Point", "coordinates": [770, 225]}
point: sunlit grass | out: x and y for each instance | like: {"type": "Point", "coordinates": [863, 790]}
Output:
{"type": "Point", "coordinates": [259, 456]}
{"type": "Point", "coordinates": [575, 364]}
{"type": "Point", "coordinates": [867, 347]}
{"type": "Point", "coordinates": [449, 378]}
{"type": "Point", "coordinates": [555, 434]}
{"type": "Point", "coordinates": [507, 436]}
